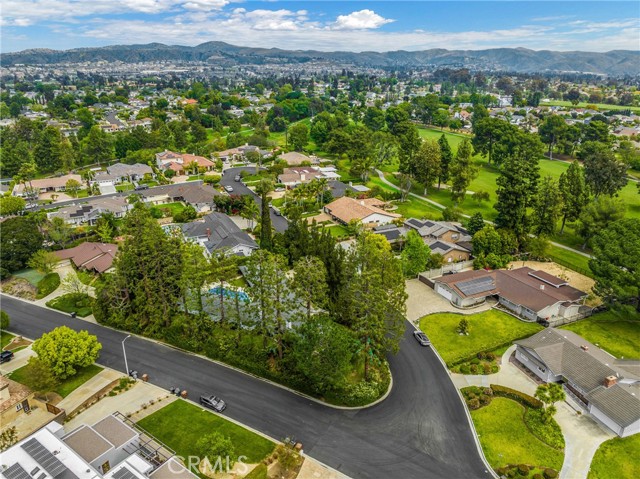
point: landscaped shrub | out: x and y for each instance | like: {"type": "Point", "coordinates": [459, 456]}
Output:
{"type": "Point", "coordinates": [501, 471]}
{"type": "Point", "coordinates": [521, 397]}
{"type": "Point", "coordinates": [537, 476]}
{"type": "Point", "coordinates": [485, 400]}
{"type": "Point", "coordinates": [474, 404]}
{"type": "Point", "coordinates": [48, 285]}
{"type": "Point", "coordinates": [79, 303]}
{"type": "Point", "coordinates": [464, 369]}
{"type": "Point", "coordinates": [550, 473]}
{"type": "Point", "coordinates": [486, 367]}
{"type": "Point", "coordinates": [488, 392]}
{"type": "Point", "coordinates": [490, 356]}
{"type": "Point", "coordinates": [511, 473]}
{"type": "Point", "coordinates": [474, 369]}
{"type": "Point", "coordinates": [481, 355]}
{"type": "Point", "coordinates": [475, 361]}
{"type": "Point", "coordinates": [548, 432]}
{"type": "Point", "coordinates": [523, 469]}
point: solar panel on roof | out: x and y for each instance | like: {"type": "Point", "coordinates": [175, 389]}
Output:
{"type": "Point", "coordinates": [124, 473]}
{"type": "Point", "coordinates": [475, 286]}
{"type": "Point", "coordinates": [42, 456]}
{"type": "Point", "coordinates": [16, 472]}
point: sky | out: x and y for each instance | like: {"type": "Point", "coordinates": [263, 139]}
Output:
{"type": "Point", "coordinates": [323, 25]}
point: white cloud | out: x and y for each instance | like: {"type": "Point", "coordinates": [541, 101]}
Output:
{"type": "Point", "coordinates": [361, 20]}
{"type": "Point", "coordinates": [205, 5]}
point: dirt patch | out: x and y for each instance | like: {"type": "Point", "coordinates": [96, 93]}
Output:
{"type": "Point", "coordinates": [19, 287]}
{"type": "Point", "coordinates": [577, 280]}
{"type": "Point", "coordinates": [18, 342]}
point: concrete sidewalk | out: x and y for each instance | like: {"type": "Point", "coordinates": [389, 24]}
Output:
{"type": "Point", "coordinates": [312, 469]}
{"type": "Point", "coordinates": [21, 358]}
{"type": "Point", "coordinates": [92, 386]}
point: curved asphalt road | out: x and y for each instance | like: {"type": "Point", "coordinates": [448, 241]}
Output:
{"type": "Point", "coordinates": [279, 223]}
{"type": "Point", "coordinates": [419, 431]}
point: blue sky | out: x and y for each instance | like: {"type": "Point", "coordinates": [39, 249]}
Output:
{"type": "Point", "coordinates": [323, 25]}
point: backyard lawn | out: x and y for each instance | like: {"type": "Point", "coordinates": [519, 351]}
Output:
{"type": "Point", "coordinates": [30, 275]}
{"type": "Point", "coordinates": [570, 259]}
{"type": "Point", "coordinates": [617, 332]}
{"type": "Point", "coordinates": [505, 438]}
{"type": "Point", "coordinates": [488, 330]}
{"type": "Point", "coordinates": [617, 459]}
{"type": "Point", "coordinates": [65, 387]}
{"type": "Point", "coordinates": [180, 424]}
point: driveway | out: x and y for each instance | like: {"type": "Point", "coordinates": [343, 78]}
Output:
{"type": "Point", "coordinates": [420, 430]}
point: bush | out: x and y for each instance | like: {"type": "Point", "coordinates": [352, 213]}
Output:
{"type": "Point", "coordinates": [523, 469]}
{"type": "Point", "coordinates": [481, 355]}
{"type": "Point", "coordinates": [550, 473]}
{"type": "Point", "coordinates": [490, 356]}
{"type": "Point", "coordinates": [475, 361]}
{"type": "Point", "coordinates": [518, 396]}
{"type": "Point", "coordinates": [474, 404]}
{"type": "Point", "coordinates": [511, 473]}
{"type": "Point", "coordinates": [537, 476]}
{"type": "Point", "coordinates": [474, 369]}
{"type": "Point", "coordinates": [211, 179]}
{"type": "Point", "coordinates": [48, 285]}
{"type": "Point", "coordinates": [4, 320]}
{"type": "Point", "coordinates": [464, 369]}
{"type": "Point", "coordinates": [487, 368]}
{"type": "Point", "coordinates": [548, 432]}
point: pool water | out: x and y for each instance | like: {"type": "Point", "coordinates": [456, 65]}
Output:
{"type": "Point", "coordinates": [242, 296]}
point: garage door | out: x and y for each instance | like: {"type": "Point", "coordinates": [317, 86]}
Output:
{"type": "Point", "coordinates": [443, 292]}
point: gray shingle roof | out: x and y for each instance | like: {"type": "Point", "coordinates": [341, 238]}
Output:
{"type": "Point", "coordinates": [224, 232]}
{"type": "Point", "coordinates": [620, 402]}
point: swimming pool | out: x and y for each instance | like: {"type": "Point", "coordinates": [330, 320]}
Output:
{"type": "Point", "coordinates": [229, 293]}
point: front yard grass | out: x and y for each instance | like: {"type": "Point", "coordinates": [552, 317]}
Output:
{"type": "Point", "coordinates": [48, 285]}
{"type": "Point", "coordinates": [617, 458]}
{"type": "Point", "coordinates": [64, 388]}
{"type": "Point", "coordinates": [5, 339]}
{"type": "Point", "coordinates": [505, 438]}
{"type": "Point", "coordinates": [80, 303]}
{"type": "Point", "coordinates": [615, 331]}
{"type": "Point", "coordinates": [30, 275]}
{"type": "Point", "coordinates": [488, 330]}
{"type": "Point", "coordinates": [180, 424]}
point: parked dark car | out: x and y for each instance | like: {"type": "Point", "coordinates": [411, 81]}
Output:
{"type": "Point", "coordinates": [213, 402]}
{"type": "Point", "coordinates": [142, 187]}
{"type": "Point", "coordinates": [421, 338]}
{"type": "Point", "coordinates": [6, 356]}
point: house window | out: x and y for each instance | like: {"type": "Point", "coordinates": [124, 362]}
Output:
{"type": "Point", "coordinates": [542, 369]}
{"type": "Point", "coordinates": [19, 407]}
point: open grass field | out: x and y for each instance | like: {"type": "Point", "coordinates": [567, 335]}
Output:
{"type": "Point", "coordinates": [505, 438]}
{"type": "Point", "coordinates": [617, 332]}
{"type": "Point", "coordinates": [180, 424]}
{"type": "Point", "coordinates": [571, 260]}
{"type": "Point", "coordinates": [489, 330]}
{"type": "Point", "coordinates": [64, 388]}
{"type": "Point", "coordinates": [617, 458]}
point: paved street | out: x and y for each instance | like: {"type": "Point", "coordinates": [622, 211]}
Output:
{"type": "Point", "coordinates": [279, 223]}
{"type": "Point", "coordinates": [419, 431]}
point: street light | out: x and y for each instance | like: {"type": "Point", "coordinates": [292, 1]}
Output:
{"type": "Point", "coordinates": [126, 366]}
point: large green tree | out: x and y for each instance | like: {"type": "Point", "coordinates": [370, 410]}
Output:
{"type": "Point", "coordinates": [547, 207]}
{"type": "Point", "coordinates": [463, 171]}
{"type": "Point", "coordinates": [603, 172]}
{"type": "Point", "coordinates": [487, 133]}
{"type": "Point", "coordinates": [446, 157]}
{"type": "Point", "coordinates": [310, 282]}
{"type": "Point", "coordinates": [616, 260]}
{"type": "Point", "coordinates": [47, 152]}
{"type": "Point", "coordinates": [299, 136]}
{"type": "Point", "coordinates": [19, 240]}
{"type": "Point", "coordinates": [97, 146]}
{"type": "Point", "coordinates": [574, 191]}
{"type": "Point", "coordinates": [598, 215]}
{"type": "Point", "coordinates": [552, 130]}
{"type": "Point", "coordinates": [426, 164]}
{"type": "Point", "coordinates": [415, 254]}
{"type": "Point", "coordinates": [64, 350]}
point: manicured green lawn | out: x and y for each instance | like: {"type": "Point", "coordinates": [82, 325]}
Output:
{"type": "Point", "coordinates": [617, 458]}
{"type": "Point", "coordinates": [81, 303]}
{"type": "Point", "coordinates": [65, 387]}
{"type": "Point", "coordinates": [173, 208]}
{"type": "Point", "coordinates": [47, 285]}
{"type": "Point", "coordinates": [505, 438]}
{"type": "Point", "coordinates": [488, 330]}
{"type": "Point", "coordinates": [180, 424]}
{"type": "Point", "coordinates": [338, 231]}
{"type": "Point", "coordinates": [617, 332]}
{"type": "Point", "coordinates": [5, 338]}
{"type": "Point", "coordinates": [571, 260]}
{"type": "Point", "coordinates": [30, 275]}
{"type": "Point", "coordinates": [124, 187]}
{"type": "Point", "coordinates": [416, 208]}
{"type": "Point", "coordinates": [601, 106]}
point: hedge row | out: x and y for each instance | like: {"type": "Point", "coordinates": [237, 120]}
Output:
{"type": "Point", "coordinates": [521, 397]}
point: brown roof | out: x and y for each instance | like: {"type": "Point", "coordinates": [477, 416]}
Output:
{"type": "Point", "coordinates": [17, 393]}
{"type": "Point", "coordinates": [521, 286]}
{"type": "Point", "coordinates": [200, 160]}
{"type": "Point", "coordinates": [347, 209]}
{"type": "Point", "coordinates": [96, 256]}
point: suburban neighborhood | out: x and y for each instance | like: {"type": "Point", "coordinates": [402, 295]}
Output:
{"type": "Point", "coordinates": [337, 241]}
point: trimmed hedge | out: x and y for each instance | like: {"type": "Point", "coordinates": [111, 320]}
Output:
{"type": "Point", "coordinates": [48, 285]}
{"type": "Point", "coordinates": [518, 396]}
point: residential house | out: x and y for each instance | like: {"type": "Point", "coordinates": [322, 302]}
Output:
{"type": "Point", "coordinates": [89, 211]}
{"type": "Point", "coordinates": [297, 175]}
{"type": "Point", "coordinates": [293, 158]}
{"type": "Point", "coordinates": [368, 211]}
{"type": "Point", "coordinates": [240, 153]}
{"type": "Point", "coordinates": [530, 294]}
{"type": "Point", "coordinates": [120, 172]}
{"type": "Point", "coordinates": [194, 193]}
{"type": "Point", "coordinates": [112, 448]}
{"type": "Point", "coordinates": [181, 162]}
{"type": "Point", "coordinates": [606, 387]}
{"type": "Point", "coordinates": [339, 189]}
{"type": "Point", "coordinates": [15, 400]}
{"type": "Point", "coordinates": [450, 240]}
{"type": "Point", "coordinates": [218, 232]}
{"type": "Point", "coordinates": [96, 257]}
{"type": "Point", "coordinates": [46, 185]}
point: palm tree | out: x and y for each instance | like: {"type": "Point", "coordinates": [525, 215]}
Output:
{"type": "Point", "coordinates": [250, 211]}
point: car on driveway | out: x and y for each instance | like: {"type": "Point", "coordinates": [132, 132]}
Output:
{"type": "Point", "coordinates": [6, 356]}
{"type": "Point", "coordinates": [228, 188]}
{"type": "Point", "coordinates": [421, 338]}
{"type": "Point", "coordinates": [213, 402]}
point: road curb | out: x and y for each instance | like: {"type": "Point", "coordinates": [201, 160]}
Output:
{"type": "Point", "coordinates": [466, 411]}
{"type": "Point", "coordinates": [234, 368]}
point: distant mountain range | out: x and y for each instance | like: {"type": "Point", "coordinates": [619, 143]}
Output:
{"type": "Point", "coordinates": [522, 60]}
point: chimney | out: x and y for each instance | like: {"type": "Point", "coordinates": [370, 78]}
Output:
{"type": "Point", "coordinates": [610, 381]}
{"type": "Point", "coordinates": [584, 347]}
{"type": "Point", "coordinates": [208, 233]}
{"type": "Point", "coordinates": [542, 286]}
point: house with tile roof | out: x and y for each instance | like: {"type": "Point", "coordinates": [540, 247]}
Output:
{"type": "Point", "coordinates": [89, 211]}
{"type": "Point", "coordinates": [368, 211]}
{"type": "Point", "coordinates": [530, 294]}
{"type": "Point", "coordinates": [96, 257]}
{"type": "Point", "coordinates": [606, 387]}
{"type": "Point", "coordinates": [181, 162]}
